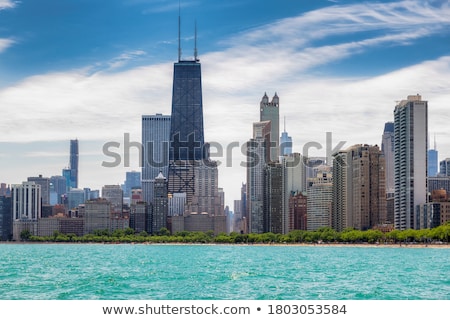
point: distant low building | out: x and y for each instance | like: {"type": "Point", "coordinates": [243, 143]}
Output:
{"type": "Point", "coordinates": [202, 222]}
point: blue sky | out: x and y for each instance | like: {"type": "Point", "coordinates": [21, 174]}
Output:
{"type": "Point", "coordinates": [89, 70]}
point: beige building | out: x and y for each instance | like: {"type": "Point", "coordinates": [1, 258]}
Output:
{"type": "Point", "coordinates": [359, 196]}
{"type": "Point", "coordinates": [319, 199]}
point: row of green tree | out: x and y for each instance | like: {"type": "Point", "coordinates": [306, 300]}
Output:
{"type": "Point", "coordinates": [322, 235]}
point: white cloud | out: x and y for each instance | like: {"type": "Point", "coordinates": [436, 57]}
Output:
{"type": "Point", "coordinates": [7, 4]}
{"type": "Point", "coordinates": [5, 44]}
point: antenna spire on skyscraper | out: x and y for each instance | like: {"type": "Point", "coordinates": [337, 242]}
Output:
{"type": "Point", "coordinates": [179, 30]}
{"type": "Point", "coordinates": [195, 43]}
{"type": "Point", "coordinates": [435, 141]}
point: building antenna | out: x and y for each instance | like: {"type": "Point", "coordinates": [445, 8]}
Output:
{"type": "Point", "coordinates": [435, 141]}
{"type": "Point", "coordinates": [284, 123]}
{"type": "Point", "coordinates": [179, 30]}
{"type": "Point", "coordinates": [195, 43]}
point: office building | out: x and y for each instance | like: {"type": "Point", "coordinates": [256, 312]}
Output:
{"type": "Point", "coordinates": [410, 162]}
{"type": "Point", "coordinates": [74, 163]}
{"type": "Point", "coordinates": [26, 206]}
{"type": "Point", "coordinates": [255, 186]}
{"type": "Point", "coordinates": [187, 144]}
{"type": "Point", "coordinates": [66, 173]}
{"type": "Point", "coordinates": [298, 211]}
{"type": "Point", "coordinates": [444, 167]}
{"type": "Point", "coordinates": [432, 162]}
{"type": "Point", "coordinates": [276, 214]}
{"type": "Point", "coordinates": [359, 192]}
{"type": "Point", "coordinates": [58, 188]}
{"type": "Point", "coordinates": [207, 196]}
{"type": "Point", "coordinates": [139, 215]}
{"type": "Point", "coordinates": [438, 183]}
{"type": "Point", "coordinates": [5, 218]}
{"type": "Point", "coordinates": [155, 142]}
{"type": "Point", "coordinates": [136, 195]}
{"type": "Point", "coordinates": [270, 111]}
{"type": "Point", "coordinates": [114, 195]}
{"type": "Point", "coordinates": [26, 201]}
{"type": "Point", "coordinates": [45, 187]}
{"type": "Point", "coordinates": [97, 215]}
{"type": "Point", "coordinates": [319, 199]}
{"type": "Point", "coordinates": [75, 197]}
{"type": "Point", "coordinates": [202, 222]}
{"type": "Point", "coordinates": [177, 203]}
{"type": "Point", "coordinates": [5, 190]}
{"type": "Point", "coordinates": [285, 142]}
{"type": "Point", "coordinates": [387, 148]}
{"type": "Point", "coordinates": [160, 204]}
{"type": "Point", "coordinates": [133, 180]}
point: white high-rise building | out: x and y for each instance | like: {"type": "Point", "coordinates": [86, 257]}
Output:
{"type": "Point", "coordinates": [410, 160]}
{"type": "Point", "coordinates": [155, 151]}
{"type": "Point", "coordinates": [320, 197]}
{"type": "Point", "coordinates": [26, 201]}
{"type": "Point", "coordinates": [26, 207]}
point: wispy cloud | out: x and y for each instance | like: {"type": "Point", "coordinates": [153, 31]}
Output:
{"type": "Point", "coordinates": [395, 17]}
{"type": "Point", "coordinates": [124, 58]}
{"type": "Point", "coordinates": [5, 44]}
{"type": "Point", "coordinates": [163, 6]}
{"type": "Point", "coordinates": [7, 4]}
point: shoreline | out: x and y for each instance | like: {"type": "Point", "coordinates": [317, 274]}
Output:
{"type": "Point", "coordinates": [318, 245]}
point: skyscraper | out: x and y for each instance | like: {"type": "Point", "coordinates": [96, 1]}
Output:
{"type": "Point", "coordinates": [257, 157]}
{"type": "Point", "coordinates": [359, 197]}
{"type": "Point", "coordinates": [114, 194]}
{"type": "Point", "coordinates": [187, 144]}
{"type": "Point", "coordinates": [206, 196]}
{"type": "Point", "coordinates": [387, 148]}
{"type": "Point", "coordinates": [270, 111]}
{"type": "Point", "coordinates": [58, 188]}
{"type": "Point", "coordinates": [444, 167]}
{"type": "Point", "coordinates": [433, 161]}
{"type": "Point", "coordinates": [186, 128]}
{"type": "Point", "coordinates": [160, 206]}
{"type": "Point", "coordinates": [133, 180]}
{"type": "Point", "coordinates": [5, 218]}
{"type": "Point", "coordinates": [26, 201]}
{"type": "Point", "coordinates": [410, 162]}
{"type": "Point", "coordinates": [155, 141]}
{"type": "Point", "coordinates": [45, 187]}
{"type": "Point", "coordinates": [74, 163]}
{"type": "Point", "coordinates": [276, 213]}
{"type": "Point", "coordinates": [285, 142]}
{"type": "Point", "coordinates": [319, 199]}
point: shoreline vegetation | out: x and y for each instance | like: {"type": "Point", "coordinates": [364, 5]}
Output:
{"type": "Point", "coordinates": [436, 237]}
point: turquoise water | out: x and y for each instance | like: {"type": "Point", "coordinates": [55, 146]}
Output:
{"type": "Point", "coordinates": [170, 272]}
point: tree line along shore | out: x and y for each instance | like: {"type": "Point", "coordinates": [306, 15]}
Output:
{"type": "Point", "coordinates": [438, 235]}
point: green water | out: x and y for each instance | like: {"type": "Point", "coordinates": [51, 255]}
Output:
{"type": "Point", "coordinates": [232, 272]}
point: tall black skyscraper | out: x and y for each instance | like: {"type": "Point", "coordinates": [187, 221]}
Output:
{"type": "Point", "coordinates": [74, 163]}
{"type": "Point", "coordinates": [186, 128]}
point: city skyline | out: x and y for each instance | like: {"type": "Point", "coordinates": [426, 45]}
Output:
{"type": "Point", "coordinates": [328, 79]}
